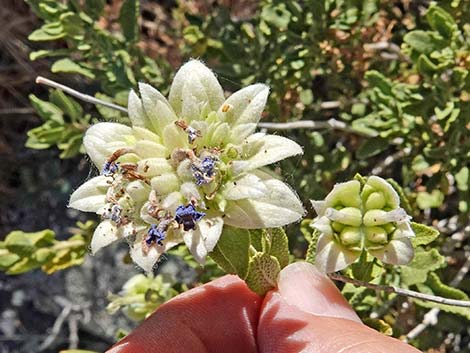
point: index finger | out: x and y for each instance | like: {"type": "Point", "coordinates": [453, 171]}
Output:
{"type": "Point", "coordinates": [219, 316]}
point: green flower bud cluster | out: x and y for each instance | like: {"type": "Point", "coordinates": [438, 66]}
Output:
{"type": "Point", "coordinates": [355, 218]}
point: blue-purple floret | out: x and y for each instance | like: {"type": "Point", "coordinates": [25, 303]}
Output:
{"type": "Point", "coordinates": [205, 171]}
{"type": "Point", "coordinates": [192, 134]}
{"type": "Point", "coordinates": [155, 235]}
{"type": "Point", "coordinates": [109, 168]}
{"type": "Point", "coordinates": [188, 216]}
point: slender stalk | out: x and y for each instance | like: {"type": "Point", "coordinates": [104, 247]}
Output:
{"type": "Point", "coordinates": [313, 125]}
{"type": "Point", "coordinates": [76, 94]}
{"type": "Point", "coordinates": [401, 291]}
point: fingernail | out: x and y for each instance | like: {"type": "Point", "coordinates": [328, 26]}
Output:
{"type": "Point", "coordinates": [303, 286]}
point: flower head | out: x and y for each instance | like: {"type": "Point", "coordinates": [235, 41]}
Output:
{"type": "Point", "coordinates": [187, 166]}
{"type": "Point", "coordinates": [354, 218]}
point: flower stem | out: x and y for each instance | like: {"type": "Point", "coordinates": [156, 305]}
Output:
{"type": "Point", "coordinates": [401, 291]}
{"type": "Point", "coordinates": [79, 95]}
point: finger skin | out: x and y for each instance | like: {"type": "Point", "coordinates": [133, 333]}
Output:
{"type": "Point", "coordinates": [284, 328]}
{"type": "Point", "coordinates": [307, 313]}
{"type": "Point", "coordinates": [220, 316]}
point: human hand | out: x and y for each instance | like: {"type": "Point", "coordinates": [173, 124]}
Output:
{"type": "Point", "coordinates": [306, 313]}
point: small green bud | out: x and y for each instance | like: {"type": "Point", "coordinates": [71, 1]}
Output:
{"type": "Point", "coordinates": [389, 228]}
{"type": "Point", "coordinates": [376, 200]}
{"type": "Point", "coordinates": [350, 236]}
{"type": "Point", "coordinates": [376, 235]}
{"type": "Point", "coordinates": [350, 216]}
{"type": "Point", "coordinates": [232, 153]}
{"type": "Point", "coordinates": [337, 227]}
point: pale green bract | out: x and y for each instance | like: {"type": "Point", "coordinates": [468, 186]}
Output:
{"type": "Point", "coordinates": [187, 166]}
{"type": "Point", "coordinates": [355, 218]}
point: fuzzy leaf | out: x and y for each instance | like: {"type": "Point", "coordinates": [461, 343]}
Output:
{"type": "Point", "coordinates": [7, 259]}
{"type": "Point", "coordinates": [22, 243]}
{"type": "Point", "coordinates": [67, 65]}
{"type": "Point", "coordinates": [429, 200]}
{"type": "Point", "coordinates": [371, 147]}
{"type": "Point", "coordinates": [277, 245]}
{"type": "Point", "coordinates": [423, 234]}
{"type": "Point", "coordinates": [232, 251]}
{"type": "Point", "coordinates": [128, 17]}
{"type": "Point", "coordinates": [404, 202]}
{"type": "Point", "coordinates": [263, 272]}
{"type": "Point", "coordinates": [47, 110]}
{"type": "Point", "coordinates": [312, 247]}
{"type": "Point", "coordinates": [434, 286]}
{"type": "Point", "coordinates": [420, 41]}
{"type": "Point", "coordinates": [418, 269]}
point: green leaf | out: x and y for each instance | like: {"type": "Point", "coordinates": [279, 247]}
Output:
{"type": "Point", "coordinates": [232, 251]}
{"type": "Point", "coordinates": [67, 65]}
{"type": "Point", "coordinates": [306, 96]}
{"type": "Point", "coordinates": [443, 290]}
{"type": "Point", "coordinates": [72, 146]}
{"type": "Point", "coordinates": [22, 243]}
{"type": "Point", "coordinates": [43, 53]}
{"type": "Point", "coordinates": [422, 264]}
{"type": "Point", "coordinates": [429, 200]}
{"type": "Point", "coordinates": [404, 202]}
{"type": "Point", "coordinates": [7, 259]}
{"type": "Point", "coordinates": [49, 31]}
{"type": "Point", "coordinates": [67, 104]}
{"type": "Point", "coordinates": [312, 247]}
{"type": "Point", "coordinates": [278, 16]}
{"type": "Point", "coordinates": [376, 79]}
{"type": "Point", "coordinates": [426, 66]}
{"type": "Point", "coordinates": [365, 269]}
{"type": "Point", "coordinates": [263, 272]}
{"type": "Point", "coordinates": [42, 255]}
{"type": "Point", "coordinates": [423, 234]}
{"type": "Point", "coordinates": [371, 147]}
{"type": "Point", "coordinates": [462, 179]}
{"type": "Point", "coordinates": [419, 40]}
{"type": "Point", "coordinates": [46, 110]}
{"type": "Point", "coordinates": [73, 25]}
{"type": "Point", "coordinates": [45, 135]}
{"type": "Point", "coordinates": [128, 17]}
{"type": "Point", "coordinates": [419, 164]}
{"type": "Point", "coordinates": [434, 286]}
{"type": "Point", "coordinates": [278, 244]}
{"type": "Point", "coordinates": [441, 21]}
{"type": "Point", "coordinates": [94, 8]}
{"type": "Point", "coordinates": [24, 265]}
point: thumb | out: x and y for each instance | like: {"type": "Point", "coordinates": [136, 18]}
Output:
{"type": "Point", "coordinates": [308, 313]}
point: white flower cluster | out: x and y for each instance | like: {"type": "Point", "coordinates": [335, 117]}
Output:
{"type": "Point", "coordinates": [187, 166]}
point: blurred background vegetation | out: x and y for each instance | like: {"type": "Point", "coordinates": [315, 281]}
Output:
{"type": "Point", "coordinates": [371, 87]}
